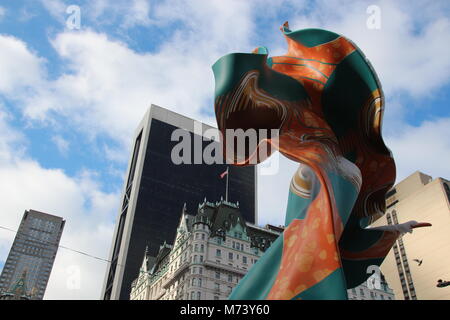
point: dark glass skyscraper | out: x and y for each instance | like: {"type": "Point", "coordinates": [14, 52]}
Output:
{"type": "Point", "coordinates": [156, 189]}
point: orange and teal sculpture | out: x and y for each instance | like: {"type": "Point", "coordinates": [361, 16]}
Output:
{"type": "Point", "coordinates": [325, 99]}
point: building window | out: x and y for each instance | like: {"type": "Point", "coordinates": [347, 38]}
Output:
{"type": "Point", "coordinates": [217, 275]}
{"type": "Point", "coordinates": [218, 252]}
{"type": "Point", "coordinates": [230, 255]}
{"type": "Point", "coordinates": [217, 286]}
{"type": "Point", "coordinates": [244, 259]}
{"type": "Point", "coordinates": [230, 278]}
{"type": "Point", "coordinates": [216, 298]}
{"type": "Point", "coordinates": [198, 295]}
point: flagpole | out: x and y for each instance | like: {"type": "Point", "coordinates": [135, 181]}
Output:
{"type": "Point", "coordinates": [226, 192]}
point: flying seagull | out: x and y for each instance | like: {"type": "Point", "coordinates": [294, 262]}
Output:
{"type": "Point", "coordinates": [418, 261]}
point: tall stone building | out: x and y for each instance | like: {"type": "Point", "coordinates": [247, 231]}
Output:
{"type": "Point", "coordinates": [212, 251]}
{"type": "Point", "coordinates": [416, 262]}
{"type": "Point", "coordinates": [33, 252]}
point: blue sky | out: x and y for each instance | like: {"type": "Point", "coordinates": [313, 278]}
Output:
{"type": "Point", "coordinates": [71, 99]}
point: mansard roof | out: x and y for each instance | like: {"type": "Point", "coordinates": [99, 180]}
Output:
{"type": "Point", "coordinates": [220, 216]}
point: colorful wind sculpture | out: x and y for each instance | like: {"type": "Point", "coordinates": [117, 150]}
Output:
{"type": "Point", "coordinates": [325, 99]}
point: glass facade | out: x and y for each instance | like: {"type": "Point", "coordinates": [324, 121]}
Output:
{"type": "Point", "coordinates": [164, 188]}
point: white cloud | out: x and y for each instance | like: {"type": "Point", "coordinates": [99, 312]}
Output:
{"type": "Point", "coordinates": [56, 8]}
{"type": "Point", "coordinates": [138, 14]}
{"type": "Point", "coordinates": [10, 139]}
{"type": "Point", "coordinates": [20, 67]}
{"type": "Point", "coordinates": [62, 144]}
{"type": "Point", "coordinates": [425, 148]}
